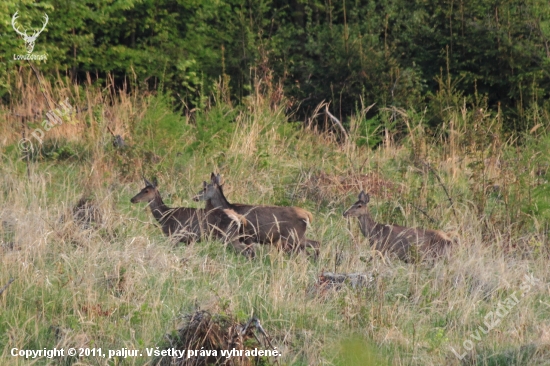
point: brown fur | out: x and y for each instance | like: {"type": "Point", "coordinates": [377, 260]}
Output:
{"type": "Point", "coordinates": [266, 224]}
{"type": "Point", "coordinates": [400, 240]}
{"type": "Point", "coordinates": [192, 224]}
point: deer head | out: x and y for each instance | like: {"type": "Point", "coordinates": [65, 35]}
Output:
{"type": "Point", "coordinates": [359, 208]}
{"type": "Point", "coordinates": [29, 40]}
{"type": "Point", "coordinates": [147, 194]}
{"type": "Point", "coordinates": [208, 191]}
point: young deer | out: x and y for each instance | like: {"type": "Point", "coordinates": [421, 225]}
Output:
{"type": "Point", "coordinates": [192, 224]}
{"type": "Point", "coordinates": [402, 241]}
{"type": "Point", "coordinates": [266, 224]}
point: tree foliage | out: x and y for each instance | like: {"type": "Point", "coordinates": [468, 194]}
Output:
{"type": "Point", "coordinates": [393, 53]}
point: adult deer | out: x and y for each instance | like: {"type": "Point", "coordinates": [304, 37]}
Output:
{"type": "Point", "coordinates": [192, 224]}
{"type": "Point", "coordinates": [406, 243]}
{"type": "Point", "coordinates": [266, 224]}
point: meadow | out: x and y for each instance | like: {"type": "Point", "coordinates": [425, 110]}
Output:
{"type": "Point", "coordinates": [119, 283]}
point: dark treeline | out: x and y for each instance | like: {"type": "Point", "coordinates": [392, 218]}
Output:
{"type": "Point", "coordinates": [492, 54]}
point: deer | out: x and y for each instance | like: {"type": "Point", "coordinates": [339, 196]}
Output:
{"type": "Point", "coordinates": [266, 224]}
{"type": "Point", "coordinates": [407, 243]}
{"type": "Point", "coordinates": [29, 40]}
{"type": "Point", "coordinates": [189, 225]}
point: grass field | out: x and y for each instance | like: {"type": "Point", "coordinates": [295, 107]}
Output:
{"type": "Point", "coordinates": [119, 283]}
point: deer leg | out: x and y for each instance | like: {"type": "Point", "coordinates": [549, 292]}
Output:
{"type": "Point", "coordinates": [182, 238]}
{"type": "Point", "coordinates": [293, 242]}
{"type": "Point", "coordinates": [231, 235]}
{"type": "Point", "coordinates": [285, 245]}
{"type": "Point", "coordinates": [292, 246]}
{"type": "Point", "coordinates": [242, 248]}
{"type": "Point", "coordinates": [313, 245]}
{"type": "Point", "coordinates": [306, 243]}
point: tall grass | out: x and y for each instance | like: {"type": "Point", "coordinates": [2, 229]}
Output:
{"type": "Point", "coordinates": [121, 283]}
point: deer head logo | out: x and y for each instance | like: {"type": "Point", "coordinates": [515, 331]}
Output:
{"type": "Point", "coordinates": [29, 40]}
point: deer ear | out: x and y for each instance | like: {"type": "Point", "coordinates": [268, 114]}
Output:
{"type": "Point", "coordinates": [204, 185]}
{"type": "Point", "coordinates": [155, 182]}
{"type": "Point", "coordinates": [364, 197]}
{"type": "Point", "coordinates": [219, 180]}
{"type": "Point", "coordinates": [213, 178]}
{"type": "Point", "coordinates": [147, 183]}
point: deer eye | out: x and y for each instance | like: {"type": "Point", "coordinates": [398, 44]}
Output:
{"type": "Point", "coordinates": [359, 206]}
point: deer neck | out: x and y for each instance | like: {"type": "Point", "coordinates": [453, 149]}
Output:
{"type": "Point", "coordinates": [158, 208]}
{"type": "Point", "coordinates": [218, 201]}
{"type": "Point", "coordinates": [367, 224]}
{"type": "Point", "coordinates": [209, 206]}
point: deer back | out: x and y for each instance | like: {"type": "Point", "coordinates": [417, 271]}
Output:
{"type": "Point", "coordinates": [418, 243]}
{"type": "Point", "coordinates": [436, 243]}
{"type": "Point", "coordinates": [389, 239]}
{"type": "Point", "coordinates": [268, 224]}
